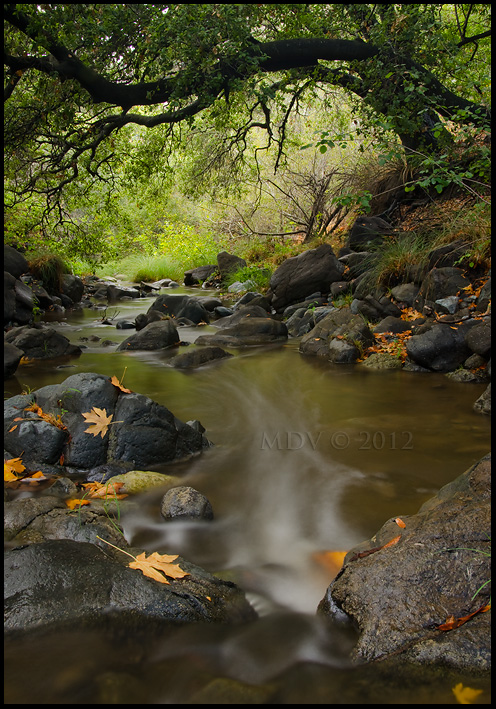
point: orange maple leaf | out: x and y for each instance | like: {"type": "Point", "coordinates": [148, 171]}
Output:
{"type": "Point", "coordinates": [12, 468]}
{"type": "Point", "coordinates": [105, 490]}
{"type": "Point", "coordinates": [118, 384]}
{"type": "Point", "coordinates": [99, 421]}
{"type": "Point", "coordinates": [76, 502]}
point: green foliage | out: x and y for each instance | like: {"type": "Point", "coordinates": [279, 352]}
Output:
{"type": "Point", "coordinates": [260, 276]}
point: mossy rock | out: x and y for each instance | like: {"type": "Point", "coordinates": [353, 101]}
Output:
{"type": "Point", "coordinates": [382, 360]}
{"type": "Point", "coordinates": [137, 481]}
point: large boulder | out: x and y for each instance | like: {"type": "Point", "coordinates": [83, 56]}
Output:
{"type": "Point", "coordinates": [63, 583]}
{"type": "Point", "coordinates": [140, 431]}
{"type": "Point", "coordinates": [316, 342]}
{"type": "Point", "coordinates": [72, 287]}
{"type": "Point", "coordinates": [181, 306]}
{"type": "Point", "coordinates": [196, 276]}
{"type": "Point", "coordinates": [158, 335]}
{"type": "Point", "coordinates": [405, 582]}
{"type": "Point", "coordinates": [300, 276]}
{"type": "Point", "coordinates": [39, 342]}
{"type": "Point", "coordinates": [229, 263]}
{"type": "Point", "coordinates": [440, 347]}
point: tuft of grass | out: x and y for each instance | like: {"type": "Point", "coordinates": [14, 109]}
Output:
{"type": "Point", "coordinates": [398, 260]}
{"type": "Point", "coordinates": [259, 275]}
{"type": "Point", "coordinates": [49, 268]}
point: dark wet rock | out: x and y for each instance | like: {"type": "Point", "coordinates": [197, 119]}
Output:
{"type": "Point", "coordinates": [405, 293]}
{"type": "Point", "coordinates": [393, 324]}
{"type": "Point", "coordinates": [154, 336]}
{"type": "Point", "coordinates": [177, 306]}
{"type": "Point", "coordinates": [358, 263]}
{"type": "Point", "coordinates": [142, 432]}
{"type": "Point", "coordinates": [11, 357]}
{"type": "Point", "coordinates": [440, 347]}
{"type": "Point", "coordinates": [72, 287]}
{"type": "Point", "coordinates": [367, 232]}
{"type": "Point", "coordinates": [398, 595]}
{"type": "Point", "coordinates": [197, 357]}
{"type": "Point", "coordinates": [300, 276]}
{"type": "Point", "coordinates": [17, 300]}
{"type": "Point", "coordinates": [245, 330]}
{"type": "Point", "coordinates": [228, 263]}
{"type": "Point", "coordinates": [375, 307]}
{"type": "Point", "coordinates": [99, 586]}
{"type": "Point", "coordinates": [118, 292]}
{"type": "Point", "coordinates": [38, 342]}
{"type": "Point", "coordinates": [449, 255]}
{"type": "Point", "coordinates": [144, 319]}
{"type": "Point", "coordinates": [478, 338]}
{"type": "Point", "coordinates": [440, 283]}
{"type": "Point", "coordinates": [185, 503]}
{"type": "Point", "coordinates": [196, 276]}
{"type": "Point", "coordinates": [252, 298]}
{"type": "Point", "coordinates": [14, 262]}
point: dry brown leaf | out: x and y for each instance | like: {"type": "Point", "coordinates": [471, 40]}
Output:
{"type": "Point", "coordinates": [451, 622]}
{"type": "Point", "coordinates": [157, 565]}
{"type": "Point", "coordinates": [99, 421]}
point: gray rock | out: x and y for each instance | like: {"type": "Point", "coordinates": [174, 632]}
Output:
{"type": "Point", "coordinates": [178, 306]}
{"type": "Point", "coordinates": [154, 336]}
{"type": "Point", "coordinates": [14, 262]}
{"type": "Point", "coordinates": [185, 503]}
{"type": "Point", "coordinates": [39, 342]}
{"type": "Point", "coordinates": [11, 357]}
{"type": "Point", "coordinates": [197, 357]}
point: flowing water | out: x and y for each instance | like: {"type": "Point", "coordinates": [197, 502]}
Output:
{"type": "Point", "coordinates": [307, 457]}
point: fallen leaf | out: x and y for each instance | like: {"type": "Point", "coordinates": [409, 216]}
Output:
{"type": "Point", "coordinates": [367, 552]}
{"type": "Point", "coordinates": [451, 622]}
{"type": "Point", "coordinates": [99, 421]}
{"type": "Point", "coordinates": [105, 490]}
{"type": "Point", "coordinates": [118, 384]}
{"type": "Point", "coordinates": [12, 468]}
{"type": "Point", "coordinates": [76, 502]}
{"type": "Point", "coordinates": [49, 418]}
{"type": "Point", "coordinates": [465, 695]}
{"type": "Point", "coordinates": [158, 566]}
{"type": "Point", "coordinates": [400, 522]}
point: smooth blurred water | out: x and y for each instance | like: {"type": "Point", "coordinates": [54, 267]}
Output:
{"type": "Point", "coordinates": [307, 457]}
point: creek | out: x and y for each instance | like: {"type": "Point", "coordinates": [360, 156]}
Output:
{"type": "Point", "coordinates": [307, 457]}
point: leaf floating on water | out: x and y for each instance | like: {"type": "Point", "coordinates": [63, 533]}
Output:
{"type": "Point", "coordinates": [158, 566]}
{"type": "Point", "coordinates": [99, 421]}
{"type": "Point", "coordinates": [465, 695]}
{"type": "Point", "coordinates": [331, 560]}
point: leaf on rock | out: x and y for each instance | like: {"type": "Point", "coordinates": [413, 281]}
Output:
{"type": "Point", "coordinates": [76, 502]}
{"type": "Point", "coordinates": [400, 522]}
{"type": "Point", "coordinates": [12, 468]}
{"type": "Point", "coordinates": [451, 622]}
{"type": "Point", "coordinates": [105, 490]}
{"type": "Point", "coordinates": [118, 384]}
{"type": "Point", "coordinates": [99, 421]}
{"type": "Point", "coordinates": [465, 695]}
{"type": "Point", "coordinates": [158, 566]}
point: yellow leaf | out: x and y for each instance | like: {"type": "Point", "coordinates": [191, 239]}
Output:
{"type": "Point", "coordinates": [76, 502]}
{"type": "Point", "coordinates": [465, 695]}
{"type": "Point", "coordinates": [99, 421]}
{"type": "Point", "coordinates": [12, 468]}
{"type": "Point", "coordinates": [157, 565]}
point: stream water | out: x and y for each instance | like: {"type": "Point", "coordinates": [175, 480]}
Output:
{"type": "Point", "coordinates": [307, 457]}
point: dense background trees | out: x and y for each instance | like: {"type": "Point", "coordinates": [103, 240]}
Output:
{"type": "Point", "coordinates": [153, 100]}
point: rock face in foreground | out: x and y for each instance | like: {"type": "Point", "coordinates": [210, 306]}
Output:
{"type": "Point", "coordinates": [63, 582]}
{"type": "Point", "coordinates": [400, 594]}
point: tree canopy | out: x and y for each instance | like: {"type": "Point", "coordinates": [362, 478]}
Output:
{"type": "Point", "coordinates": [77, 76]}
